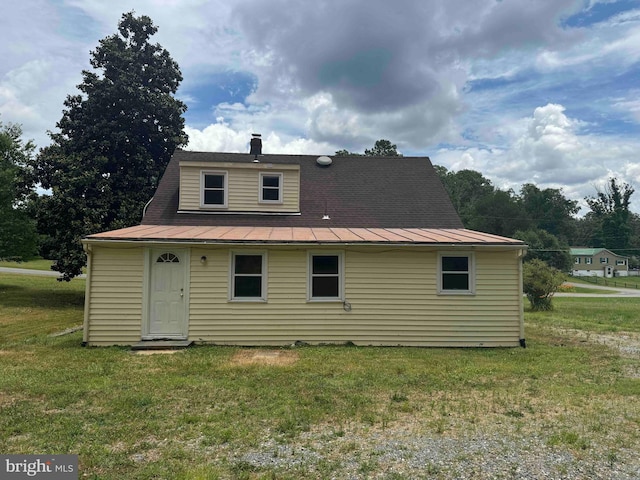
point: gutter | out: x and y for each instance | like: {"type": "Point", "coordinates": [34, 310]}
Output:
{"type": "Point", "coordinates": [87, 287]}
{"type": "Point", "coordinates": [521, 255]}
{"type": "Point", "coordinates": [192, 242]}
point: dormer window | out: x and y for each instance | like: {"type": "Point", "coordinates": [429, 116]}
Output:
{"type": "Point", "coordinates": [213, 189]}
{"type": "Point", "coordinates": [270, 187]}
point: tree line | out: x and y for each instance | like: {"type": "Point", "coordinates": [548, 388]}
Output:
{"type": "Point", "coordinates": [545, 219]}
{"type": "Point", "coordinates": [116, 137]}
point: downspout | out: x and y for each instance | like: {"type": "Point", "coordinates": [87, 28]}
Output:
{"type": "Point", "coordinates": [87, 288]}
{"type": "Point", "coordinates": [521, 255]}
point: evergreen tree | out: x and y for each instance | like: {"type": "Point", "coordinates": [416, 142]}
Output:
{"type": "Point", "coordinates": [18, 238]}
{"type": "Point", "coordinates": [383, 148]}
{"type": "Point", "coordinates": [115, 140]}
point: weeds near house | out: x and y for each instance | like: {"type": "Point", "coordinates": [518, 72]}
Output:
{"type": "Point", "coordinates": [204, 414]}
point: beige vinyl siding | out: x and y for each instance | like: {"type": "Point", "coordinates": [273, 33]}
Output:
{"type": "Point", "coordinates": [244, 188]}
{"type": "Point", "coordinates": [392, 294]}
{"type": "Point", "coordinates": [114, 296]}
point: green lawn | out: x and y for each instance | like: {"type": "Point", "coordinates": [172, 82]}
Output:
{"type": "Point", "coordinates": [37, 264]}
{"type": "Point", "coordinates": [578, 289]}
{"type": "Point", "coordinates": [591, 314]}
{"type": "Point", "coordinates": [623, 282]}
{"type": "Point", "coordinates": [202, 413]}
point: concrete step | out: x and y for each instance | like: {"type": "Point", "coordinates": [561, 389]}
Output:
{"type": "Point", "coordinates": [161, 344]}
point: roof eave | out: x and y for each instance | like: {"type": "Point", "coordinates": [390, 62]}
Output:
{"type": "Point", "coordinates": [193, 242]}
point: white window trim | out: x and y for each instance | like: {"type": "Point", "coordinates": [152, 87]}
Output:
{"type": "Point", "coordinates": [232, 275]}
{"type": "Point", "coordinates": [341, 276]}
{"type": "Point", "coordinates": [280, 189]}
{"type": "Point", "coordinates": [471, 272]}
{"type": "Point", "coordinates": [225, 174]}
{"type": "Point", "coordinates": [577, 261]}
{"type": "Point", "coordinates": [588, 261]}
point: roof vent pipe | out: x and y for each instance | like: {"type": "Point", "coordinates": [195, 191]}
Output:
{"type": "Point", "coordinates": [256, 146]}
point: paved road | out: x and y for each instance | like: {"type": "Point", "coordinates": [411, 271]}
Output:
{"type": "Point", "coordinates": [615, 291]}
{"type": "Point", "coordinates": [41, 273]}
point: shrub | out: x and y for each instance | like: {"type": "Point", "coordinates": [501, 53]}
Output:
{"type": "Point", "coordinates": [540, 282]}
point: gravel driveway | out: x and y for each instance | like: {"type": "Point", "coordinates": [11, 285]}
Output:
{"type": "Point", "coordinates": [400, 453]}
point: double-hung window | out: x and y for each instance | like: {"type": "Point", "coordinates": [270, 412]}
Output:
{"type": "Point", "coordinates": [588, 260]}
{"type": "Point", "coordinates": [248, 276]}
{"type": "Point", "coordinates": [604, 260]}
{"type": "Point", "coordinates": [456, 273]}
{"type": "Point", "coordinates": [577, 260]}
{"type": "Point", "coordinates": [213, 190]}
{"type": "Point", "coordinates": [270, 187]}
{"type": "Point", "coordinates": [326, 277]}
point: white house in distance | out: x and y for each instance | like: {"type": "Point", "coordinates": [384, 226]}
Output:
{"type": "Point", "coordinates": [251, 249]}
{"type": "Point", "coordinates": [598, 262]}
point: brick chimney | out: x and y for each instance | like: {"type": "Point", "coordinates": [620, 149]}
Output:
{"type": "Point", "coordinates": [256, 146]}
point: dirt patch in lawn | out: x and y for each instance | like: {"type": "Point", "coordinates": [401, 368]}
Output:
{"type": "Point", "coordinates": [265, 357]}
{"type": "Point", "coordinates": [15, 353]}
{"type": "Point", "coordinates": [627, 343]}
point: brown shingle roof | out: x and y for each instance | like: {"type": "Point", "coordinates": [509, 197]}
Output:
{"type": "Point", "coordinates": [363, 192]}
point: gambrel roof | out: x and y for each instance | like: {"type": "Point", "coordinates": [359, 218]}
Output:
{"type": "Point", "coordinates": [354, 192]}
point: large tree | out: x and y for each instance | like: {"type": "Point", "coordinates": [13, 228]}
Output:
{"type": "Point", "coordinates": [549, 210]}
{"type": "Point", "coordinates": [468, 189]}
{"type": "Point", "coordinates": [610, 210]}
{"type": "Point", "coordinates": [500, 213]}
{"type": "Point", "coordinates": [115, 139]}
{"type": "Point", "coordinates": [382, 148]}
{"type": "Point", "coordinates": [546, 247]}
{"type": "Point", "coordinates": [18, 238]}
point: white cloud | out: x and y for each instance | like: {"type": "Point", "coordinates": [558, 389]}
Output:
{"type": "Point", "coordinates": [548, 149]}
{"type": "Point", "coordinates": [220, 137]}
{"type": "Point", "coordinates": [512, 92]}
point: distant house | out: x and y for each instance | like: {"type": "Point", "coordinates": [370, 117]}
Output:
{"type": "Point", "coordinates": [598, 262]}
{"type": "Point", "coordinates": [244, 249]}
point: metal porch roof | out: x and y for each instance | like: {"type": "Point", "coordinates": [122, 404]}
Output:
{"type": "Point", "coordinates": [314, 235]}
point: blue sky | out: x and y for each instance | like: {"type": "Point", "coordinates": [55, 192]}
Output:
{"type": "Point", "coordinates": [541, 91]}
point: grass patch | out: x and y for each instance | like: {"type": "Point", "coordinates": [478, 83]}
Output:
{"type": "Point", "coordinates": [36, 264]}
{"type": "Point", "coordinates": [33, 305]}
{"type": "Point", "coordinates": [577, 289]}
{"type": "Point", "coordinates": [591, 314]}
{"type": "Point", "coordinates": [622, 282]}
{"type": "Point", "coordinates": [206, 412]}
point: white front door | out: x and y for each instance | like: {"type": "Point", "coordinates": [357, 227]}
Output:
{"type": "Point", "coordinates": [167, 294]}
